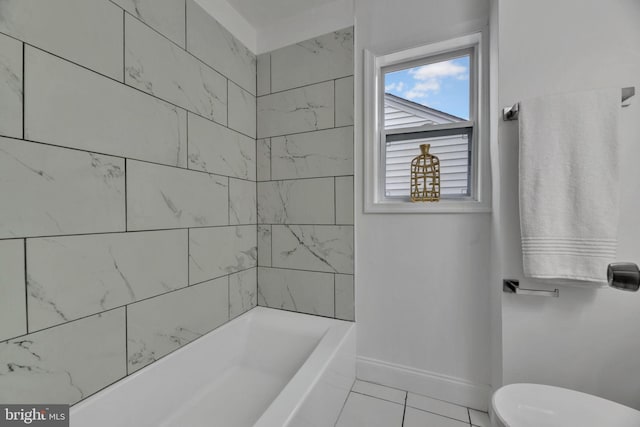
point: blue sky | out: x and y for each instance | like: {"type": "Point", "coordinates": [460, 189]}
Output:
{"type": "Point", "coordinates": [441, 85]}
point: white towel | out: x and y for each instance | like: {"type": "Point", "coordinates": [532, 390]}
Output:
{"type": "Point", "coordinates": [569, 189]}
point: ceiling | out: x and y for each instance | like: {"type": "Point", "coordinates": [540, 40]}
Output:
{"type": "Point", "coordinates": [263, 13]}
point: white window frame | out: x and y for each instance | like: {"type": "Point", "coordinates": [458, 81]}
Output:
{"type": "Point", "coordinates": [375, 200]}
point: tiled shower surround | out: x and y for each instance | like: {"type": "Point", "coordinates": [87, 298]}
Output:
{"type": "Point", "coordinates": [128, 182]}
{"type": "Point", "coordinates": [128, 169]}
{"type": "Point", "coordinates": [305, 176]}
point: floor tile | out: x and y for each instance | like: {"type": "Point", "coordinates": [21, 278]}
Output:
{"type": "Point", "coordinates": [479, 419]}
{"type": "Point", "coordinates": [416, 418]}
{"type": "Point", "coordinates": [380, 391]}
{"type": "Point", "coordinates": [366, 411]}
{"type": "Point", "coordinates": [439, 407]}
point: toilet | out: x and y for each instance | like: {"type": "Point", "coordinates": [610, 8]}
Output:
{"type": "Point", "coordinates": [537, 405]}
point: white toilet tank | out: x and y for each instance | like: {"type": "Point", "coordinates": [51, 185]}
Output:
{"type": "Point", "coordinates": [536, 405]}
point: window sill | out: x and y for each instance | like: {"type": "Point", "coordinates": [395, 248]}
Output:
{"type": "Point", "coordinates": [443, 206]}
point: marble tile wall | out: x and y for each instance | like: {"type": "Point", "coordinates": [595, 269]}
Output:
{"type": "Point", "coordinates": [158, 326]}
{"type": "Point", "coordinates": [305, 176]}
{"type": "Point", "coordinates": [64, 364]}
{"type": "Point", "coordinates": [184, 81]}
{"type": "Point", "coordinates": [71, 107]}
{"type": "Point", "coordinates": [220, 251]}
{"type": "Point", "coordinates": [10, 87]}
{"type": "Point", "coordinates": [214, 45]}
{"type": "Point", "coordinates": [128, 225]}
{"type": "Point", "coordinates": [165, 16]}
{"type": "Point", "coordinates": [86, 32]}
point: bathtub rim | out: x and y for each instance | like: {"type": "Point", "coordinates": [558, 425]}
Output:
{"type": "Point", "coordinates": [243, 324]}
{"type": "Point", "coordinates": [284, 408]}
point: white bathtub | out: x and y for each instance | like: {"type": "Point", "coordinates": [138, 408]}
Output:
{"type": "Point", "coordinates": [266, 368]}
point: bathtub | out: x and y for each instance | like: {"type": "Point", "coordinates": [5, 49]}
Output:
{"type": "Point", "coordinates": [266, 368]}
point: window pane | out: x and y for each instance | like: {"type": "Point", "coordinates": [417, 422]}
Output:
{"type": "Point", "coordinates": [428, 94]}
{"type": "Point", "coordinates": [452, 150]}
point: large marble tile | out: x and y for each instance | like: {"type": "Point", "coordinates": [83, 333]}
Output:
{"type": "Point", "coordinates": [263, 152]}
{"type": "Point", "coordinates": [344, 200]}
{"type": "Point", "coordinates": [242, 202]}
{"type": "Point", "coordinates": [380, 391]}
{"type": "Point", "coordinates": [73, 277]}
{"type": "Point", "coordinates": [13, 309]}
{"type": "Point", "coordinates": [167, 197]}
{"type": "Point", "coordinates": [54, 191]}
{"type": "Point", "coordinates": [216, 149]}
{"type": "Point", "coordinates": [66, 363]}
{"type": "Point", "coordinates": [69, 106]}
{"type": "Point", "coordinates": [213, 44]}
{"type": "Point", "coordinates": [303, 201]}
{"type": "Point", "coordinates": [264, 245]}
{"type": "Point", "coordinates": [297, 110]}
{"type": "Point", "coordinates": [344, 101]}
{"type": "Point", "coordinates": [366, 411]}
{"type": "Point", "coordinates": [313, 247]}
{"type": "Point", "coordinates": [219, 251]}
{"type": "Point", "coordinates": [312, 154]}
{"type": "Point", "coordinates": [10, 86]}
{"type": "Point", "coordinates": [157, 66]}
{"type": "Point", "coordinates": [439, 407]}
{"type": "Point", "coordinates": [345, 298]}
{"type": "Point", "coordinates": [87, 32]}
{"type": "Point", "coordinates": [264, 74]}
{"type": "Point", "coordinates": [242, 110]}
{"type": "Point", "coordinates": [160, 325]}
{"type": "Point", "coordinates": [479, 419]}
{"type": "Point", "coordinates": [323, 58]}
{"type": "Point", "coordinates": [416, 418]}
{"type": "Point", "coordinates": [243, 290]}
{"type": "Point", "coordinates": [165, 16]}
{"type": "Point", "coordinates": [301, 291]}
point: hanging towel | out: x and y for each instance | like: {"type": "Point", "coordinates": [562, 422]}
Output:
{"type": "Point", "coordinates": [569, 189]}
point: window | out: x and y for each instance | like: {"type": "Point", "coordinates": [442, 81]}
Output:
{"type": "Point", "coordinates": [410, 118]}
{"type": "Point", "coordinates": [430, 94]}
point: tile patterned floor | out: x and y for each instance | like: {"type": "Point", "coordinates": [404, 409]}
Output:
{"type": "Point", "coordinates": [373, 405]}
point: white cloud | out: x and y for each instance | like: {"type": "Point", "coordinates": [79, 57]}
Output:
{"type": "Point", "coordinates": [396, 86]}
{"type": "Point", "coordinates": [438, 70]}
{"type": "Point", "coordinates": [421, 90]}
{"type": "Point", "coordinates": [428, 78]}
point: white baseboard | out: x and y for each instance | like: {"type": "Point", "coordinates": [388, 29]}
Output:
{"type": "Point", "coordinates": [427, 383]}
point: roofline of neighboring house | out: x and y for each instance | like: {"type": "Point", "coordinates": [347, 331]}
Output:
{"type": "Point", "coordinates": [422, 107]}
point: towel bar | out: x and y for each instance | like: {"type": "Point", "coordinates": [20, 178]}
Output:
{"type": "Point", "coordinates": [511, 286]}
{"type": "Point", "coordinates": [511, 113]}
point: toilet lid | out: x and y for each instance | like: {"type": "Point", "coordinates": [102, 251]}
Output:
{"type": "Point", "coordinates": [537, 405]}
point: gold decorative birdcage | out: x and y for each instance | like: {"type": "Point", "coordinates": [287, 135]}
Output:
{"type": "Point", "coordinates": [425, 176]}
